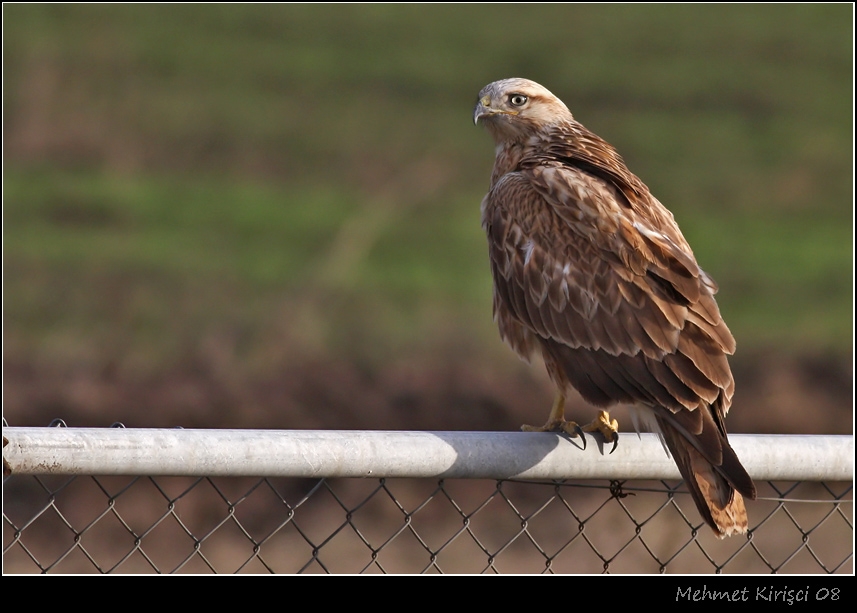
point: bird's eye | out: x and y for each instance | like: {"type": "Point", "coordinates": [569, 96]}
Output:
{"type": "Point", "coordinates": [517, 99]}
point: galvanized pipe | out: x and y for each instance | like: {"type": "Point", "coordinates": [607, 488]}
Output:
{"type": "Point", "coordinates": [354, 453]}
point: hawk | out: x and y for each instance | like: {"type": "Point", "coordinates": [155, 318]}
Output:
{"type": "Point", "coordinates": [592, 271]}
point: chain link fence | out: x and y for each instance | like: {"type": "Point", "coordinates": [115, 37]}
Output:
{"type": "Point", "coordinates": [59, 520]}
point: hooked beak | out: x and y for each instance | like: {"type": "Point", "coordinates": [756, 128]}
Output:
{"type": "Point", "coordinates": [483, 109]}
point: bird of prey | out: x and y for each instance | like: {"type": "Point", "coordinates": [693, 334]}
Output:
{"type": "Point", "coordinates": [592, 271]}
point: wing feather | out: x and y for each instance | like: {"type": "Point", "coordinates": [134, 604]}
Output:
{"type": "Point", "coordinates": [567, 284]}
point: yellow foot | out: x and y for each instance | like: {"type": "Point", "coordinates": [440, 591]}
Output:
{"type": "Point", "coordinates": [557, 425]}
{"type": "Point", "coordinates": [609, 428]}
{"type": "Point", "coordinates": [556, 422]}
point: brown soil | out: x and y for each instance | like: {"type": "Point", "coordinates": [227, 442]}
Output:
{"type": "Point", "coordinates": [775, 395]}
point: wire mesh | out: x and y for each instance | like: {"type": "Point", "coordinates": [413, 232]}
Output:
{"type": "Point", "coordinates": [61, 524]}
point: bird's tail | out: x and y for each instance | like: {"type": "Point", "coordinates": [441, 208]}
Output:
{"type": "Point", "coordinates": [711, 470]}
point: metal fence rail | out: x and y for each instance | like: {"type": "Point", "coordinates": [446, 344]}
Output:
{"type": "Point", "coordinates": [146, 500]}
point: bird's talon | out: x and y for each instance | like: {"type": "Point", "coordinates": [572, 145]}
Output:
{"type": "Point", "coordinates": [609, 428]}
{"type": "Point", "coordinates": [560, 426]}
{"type": "Point", "coordinates": [577, 431]}
{"type": "Point", "coordinates": [615, 441]}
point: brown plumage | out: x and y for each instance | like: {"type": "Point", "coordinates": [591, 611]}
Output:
{"type": "Point", "coordinates": [593, 272]}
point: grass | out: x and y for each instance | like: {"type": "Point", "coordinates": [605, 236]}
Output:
{"type": "Point", "coordinates": [174, 170]}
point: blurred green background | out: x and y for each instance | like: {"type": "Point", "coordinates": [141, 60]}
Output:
{"type": "Point", "coordinates": [268, 216]}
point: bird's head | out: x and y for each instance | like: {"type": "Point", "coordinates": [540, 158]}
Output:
{"type": "Point", "coordinates": [512, 109]}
